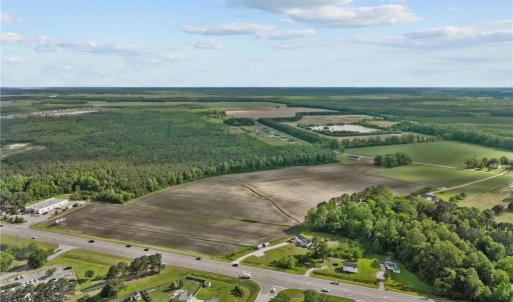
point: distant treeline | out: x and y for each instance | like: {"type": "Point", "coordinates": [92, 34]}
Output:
{"type": "Point", "coordinates": [239, 121]}
{"type": "Point", "coordinates": [469, 135]}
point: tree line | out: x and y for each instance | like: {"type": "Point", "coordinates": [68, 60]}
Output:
{"type": "Point", "coordinates": [462, 252]}
{"type": "Point", "coordinates": [392, 160]}
{"type": "Point", "coordinates": [35, 256]}
{"type": "Point", "coordinates": [491, 163]}
{"type": "Point", "coordinates": [487, 137]}
{"type": "Point", "coordinates": [50, 291]}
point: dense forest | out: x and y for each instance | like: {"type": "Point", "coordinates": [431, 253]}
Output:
{"type": "Point", "coordinates": [461, 251]}
{"type": "Point", "coordinates": [117, 155]}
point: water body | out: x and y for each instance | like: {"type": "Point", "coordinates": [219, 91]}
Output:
{"type": "Point", "coordinates": [351, 128]}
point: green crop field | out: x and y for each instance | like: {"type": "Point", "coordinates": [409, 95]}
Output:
{"type": "Point", "coordinates": [439, 153]}
{"type": "Point", "coordinates": [435, 177]}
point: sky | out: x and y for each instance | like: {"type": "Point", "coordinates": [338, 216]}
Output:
{"type": "Point", "coordinates": [314, 43]}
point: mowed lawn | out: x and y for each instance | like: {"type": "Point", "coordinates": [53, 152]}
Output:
{"type": "Point", "coordinates": [407, 281]}
{"type": "Point", "coordinates": [221, 286]}
{"type": "Point", "coordinates": [297, 295]}
{"type": "Point", "coordinates": [435, 177]}
{"type": "Point", "coordinates": [440, 153]}
{"type": "Point", "coordinates": [82, 261]}
{"type": "Point", "coordinates": [269, 257]}
{"type": "Point", "coordinates": [368, 267]}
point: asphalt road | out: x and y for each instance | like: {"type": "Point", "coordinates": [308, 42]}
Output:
{"type": "Point", "coordinates": [266, 278]}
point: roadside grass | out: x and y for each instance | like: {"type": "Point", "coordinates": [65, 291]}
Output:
{"type": "Point", "coordinates": [266, 261]}
{"type": "Point", "coordinates": [435, 177]}
{"type": "Point", "coordinates": [441, 153]}
{"type": "Point", "coordinates": [8, 240]}
{"type": "Point", "coordinates": [366, 276]}
{"type": "Point", "coordinates": [297, 295]}
{"type": "Point", "coordinates": [407, 282]}
{"type": "Point", "coordinates": [158, 286]}
{"type": "Point", "coordinates": [83, 260]}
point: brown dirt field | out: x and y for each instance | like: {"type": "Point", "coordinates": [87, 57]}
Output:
{"type": "Point", "coordinates": [222, 214]}
{"type": "Point", "coordinates": [270, 111]}
{"type": "Point", "coordinates": [329, 119]}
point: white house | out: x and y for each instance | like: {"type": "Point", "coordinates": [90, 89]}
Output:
{"type": "Point", "coordinates": [350, 267]}
{"type": "Point", "coordinates": [429, 196]}
{"type": "Point", "coordinates": [392, 266]}
{"type": "Point", "coordinates": [303, 242]}
{"type": "Point", "coordinates": [47, 205]}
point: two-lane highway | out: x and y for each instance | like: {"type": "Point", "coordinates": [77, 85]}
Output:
{"type": "Point", "coordinates": [266, 278]}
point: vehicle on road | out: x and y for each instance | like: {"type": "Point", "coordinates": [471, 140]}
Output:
{"type": "Point", "coordinates": [325, 290]}
{"type": "Point", "coordinates": [91, 241]}
{"type": "Point", "coordinates": [128, 245]}
{"type": "Point", "coordinates": [235, 264]}
{"type": "Point", "coordinates": [146, 249]}
{"type": "Point", "coordinates": [334, 283]}
{"type": "Point", "coordinates": [245, 275]}
{"type": "Point", "coordinates": [34, 237]}
{"type": "Point", "coordinates": [198, 258]}
{"type": "Point", "coordinates": [273, 290]}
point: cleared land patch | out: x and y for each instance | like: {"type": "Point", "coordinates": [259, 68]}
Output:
{"type": "Point", "coordinates": [223, 214]}
{"type": "Point", "coordinates": [270, 111]}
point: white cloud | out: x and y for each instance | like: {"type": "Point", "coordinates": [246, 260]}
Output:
{"type": "Point", "coordinates": [443, 37]}
{"type": "Point", "coordinates": [287, 34]}
{"type": "Point", "coordinates": [49, 44]}
{"type": "Point", "coordinates": [205, 44]}
{"type": "Point", "coordinates": [333, 13]}
{"type": "Point", "coordinates": [11, 38]}
{"type": "Point", "coordinates": [228, 29]}
{"type": "Point", "coordinates": [263, 31]}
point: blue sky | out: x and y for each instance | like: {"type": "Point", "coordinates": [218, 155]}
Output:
{"type": "Point", "coordinates": [256, 43]}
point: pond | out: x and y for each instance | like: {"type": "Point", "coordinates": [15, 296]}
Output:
{"type": "Point", "coordinates": [349, 128]}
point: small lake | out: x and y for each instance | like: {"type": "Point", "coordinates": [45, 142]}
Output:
{"type": "Point", "coordinates": [351, 128]}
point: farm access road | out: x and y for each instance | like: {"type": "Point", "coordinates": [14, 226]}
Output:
{"type": "Point", "coordinates": [267, 279]}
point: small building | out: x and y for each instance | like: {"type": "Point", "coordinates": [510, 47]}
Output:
{"type": "Point", "coordinates": [429, 196]}
{"type": "Point", "coordinates": [303, 242]}
{"type": "Point", "coordinates": [135, 297]}
{"type": "Point", "coordinates": [350, 267]}
{"type": "Point", "coordinates": [47, 205]}
{"type": "Point", "coordinates": [392, 266]}
{"type": "Point", "coordinates": [185, 296]}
